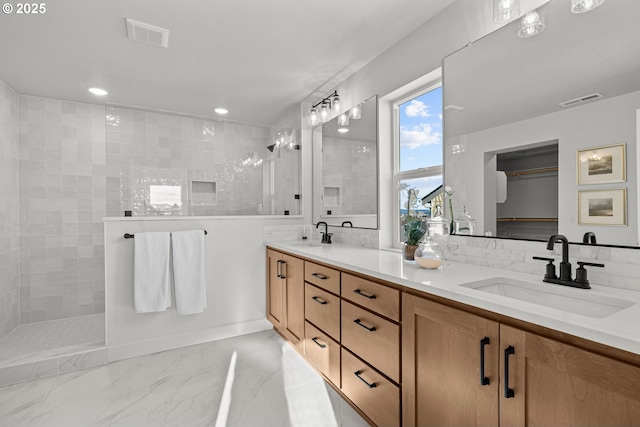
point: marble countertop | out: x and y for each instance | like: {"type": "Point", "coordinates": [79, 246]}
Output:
{"type": "Point", "coordinates": [620, 330]}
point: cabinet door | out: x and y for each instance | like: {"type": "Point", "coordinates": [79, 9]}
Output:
{"type": "Point", "coordinates": [561, 385]}
{"type": "Point", "coordinates": [293, 271]}
{"type": "Point", "coordinates": [275, 289]}
{"type": "Point", "coordinates": [443, 351]}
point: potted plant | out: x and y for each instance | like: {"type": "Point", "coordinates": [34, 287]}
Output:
{"type": "Point", "coordinates": [412, 224]}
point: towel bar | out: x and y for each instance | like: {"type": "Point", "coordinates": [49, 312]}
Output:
{"type": "Point", "coordinates": [131, 236]}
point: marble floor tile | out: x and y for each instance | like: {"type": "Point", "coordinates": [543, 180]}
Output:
{"type": "Point", "coordinates": [252, 380]}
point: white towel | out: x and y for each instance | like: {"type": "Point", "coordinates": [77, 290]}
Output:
{"type": "Point", "coordinates": [151, 279]}
{"type": "Point", "coordinates": [188, 271]}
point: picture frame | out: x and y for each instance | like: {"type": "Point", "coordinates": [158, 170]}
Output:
{"type": "Point", "coordinates": [602, 207]}
{"type": "Point", "coordinates": [602, 165]}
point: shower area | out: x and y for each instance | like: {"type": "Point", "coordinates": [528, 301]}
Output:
{"type": "Point", "coordinates": [64, 166]}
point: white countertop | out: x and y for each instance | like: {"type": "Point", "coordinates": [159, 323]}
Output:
{"type": "Point", "coordinates": [620, 330]}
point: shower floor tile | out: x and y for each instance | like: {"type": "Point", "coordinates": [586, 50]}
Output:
{"type": "Point", "coordinates": [36, 341]}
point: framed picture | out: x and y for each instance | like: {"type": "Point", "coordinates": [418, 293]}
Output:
{"type": "Point", "coordinates": [603, 207]}
{"type": "Point", "coordinates": [600, 165]}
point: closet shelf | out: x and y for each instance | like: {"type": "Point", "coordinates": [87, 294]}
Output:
{"type": "Point", "coordinates": [532, 171]}
{"type": "Point", "coordinates": [527, 219]}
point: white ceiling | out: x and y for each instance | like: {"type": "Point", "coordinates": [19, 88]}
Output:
{"type": "Point", "coordinates": [501, 78]}
{"type": "Point", "coordinates": [258, 58]}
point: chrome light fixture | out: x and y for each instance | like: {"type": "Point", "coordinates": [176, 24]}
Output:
{"type": "Point", "coordinates": [329, 105]}
{"type": "Point", "coordinates": [505, 10]}
{"type": "Point", "coordinates": [580, 6]}
{"type": "Point", "coordinates": [531, 24]}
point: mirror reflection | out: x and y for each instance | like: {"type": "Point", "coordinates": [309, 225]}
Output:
{"type": "Point", "coordinates": [345, 181]}
{"type": "Point", "coordinates": [519, 111]}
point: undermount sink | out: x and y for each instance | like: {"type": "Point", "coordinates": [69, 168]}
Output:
{"type": "Point", "coordinates": [306, 244]}
{"type": "Point", "coordinates": [579, 301]}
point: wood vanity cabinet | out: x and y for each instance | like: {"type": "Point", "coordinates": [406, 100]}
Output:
{"type": "Point", "coordinates": [285, 295]}
{"type": "Point", "coordinates": [462, 369]}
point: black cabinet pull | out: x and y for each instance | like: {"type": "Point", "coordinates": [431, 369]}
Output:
{"type": "Point", "coordinates": [370, 385]}
{"type": "Point", "coordinates": [508, 392]}
{"type": "Point", "coordinates": [359, 292]}
{"type": "Point", "coordinates": [319, 276]}
{"type": "Point", "coordinates": [359, 323]}
{"type": "Point", "coordinates": [484, 380]}
{"type": "Point", "coordinates": [315, 340]}
{"type": "Point", "coordinates": [319, 300]}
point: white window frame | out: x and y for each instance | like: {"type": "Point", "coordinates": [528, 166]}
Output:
{"type": "Point", "coordinates": [399, 176]}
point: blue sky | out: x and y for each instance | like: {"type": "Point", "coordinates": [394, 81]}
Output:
{"type": "Point", "coordinates": [421, 131]}
{"type": "Point", "coordinates": [421, 138]}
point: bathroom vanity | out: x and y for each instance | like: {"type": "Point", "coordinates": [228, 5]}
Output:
{"type": "Point", "coordinates": [407, 346]}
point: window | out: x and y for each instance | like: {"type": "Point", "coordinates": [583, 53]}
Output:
{"type": "Point", "coordinates": [418, 155]}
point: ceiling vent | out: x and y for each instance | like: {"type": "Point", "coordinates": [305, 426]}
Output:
{"type": "Point", "coordinates": [581, 100]}
{"type": "Point", "coordinates": [147, 33]}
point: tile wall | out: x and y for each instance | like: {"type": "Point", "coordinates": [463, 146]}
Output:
{"type": "Point", "coordinates": [149, 148]}
{"type": "Point", "coordinates": [621, 270]}
{"type": "Point", "coordinates": [9, 211]}
{"type": "Point", "coordinates": [342, 160]}
{"type": "Point", "coordinates": [62, 203]}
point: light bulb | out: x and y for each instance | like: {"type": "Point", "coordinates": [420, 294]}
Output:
{"type": "Point", "coordinates": [531, 24]}
{"type": "Point", "coordinates": [355, 113]}
{"type": "Point", "coordinates": [336, 104]}
{"type": "Point", "coordinates": [343, 119]}
{"type": "Point", "coordinates": [580, 6]}
{"type": "Point", "coordinates": [324, 112]}
{"type": "Point", "coordinates": [505, 10]}
{"type": "Point", "coordinates": [314, 118]}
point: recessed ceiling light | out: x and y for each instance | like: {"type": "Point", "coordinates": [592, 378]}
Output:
{"type": "Point", "coordinates": [98, 91]}
{"type": "Point", "coordinates": [221, 110]}
{"type": "Point", "coordinates": [343, 130]}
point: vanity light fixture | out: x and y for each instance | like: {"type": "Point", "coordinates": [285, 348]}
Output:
{"type": "Point", "coordinates": [531, 24]}
{"type": "Point", "coordinates": [580, 6]}
{"type": "Point", "coordinates": [343, 119]}
{"type": "Point", "coordinates": [98, 91]}
{"type": "Point", "coordinates": [328, 105]}
{"type": "Point", "coordinates": [505, 10]}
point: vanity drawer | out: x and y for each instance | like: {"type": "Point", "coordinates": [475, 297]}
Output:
{"type": "Point", "coordinates": [372, 338]}
{"type": "Point", "coordinates": [374, 296]}
{"type": "Point", "coordinates": [323, 352]}
{"type": "Point", "coordinates": [324, 277]}
{"type": "Point", "coordinates": [323, 310]}
{"type": "Point", "coordinates": [375, 395]}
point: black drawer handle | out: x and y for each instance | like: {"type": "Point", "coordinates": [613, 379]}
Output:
{"type": "Point", "coordinates": [359, 292]}
{"type": "Point", "coordinates": [370, 385]}
{"type": "Point", "coordinates": [279, 269]}
{"type": "Point", "coordinates": [359, 323]}
{"type": "Point", "coordinates": [319, 300]}
{"type": "Point", "coordinates": [484, 380]}
{"type": "Point", "coordinates": [508, 392]}
{"type": "Point", "coordinates": [319, 276]}
{"type": "Point", "coordinates": [315, 340]}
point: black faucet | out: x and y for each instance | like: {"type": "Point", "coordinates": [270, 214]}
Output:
{"type": "Point", "coordinates": [589, 238]}
{"type": "Point", "coordinates": [580, 281]}
{"type": "Point", "coordinates": [565, 265]}
{"type": "Point", "coordinates": [326, 236]}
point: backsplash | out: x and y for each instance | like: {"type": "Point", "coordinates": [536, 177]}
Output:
{"type": "Point", "coordinates": [621, 270]}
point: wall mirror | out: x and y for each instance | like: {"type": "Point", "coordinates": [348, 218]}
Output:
{"type": "Point", "coordinates": [573, 88]}
{"type": "Point", "coordinates": [345, 175]}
